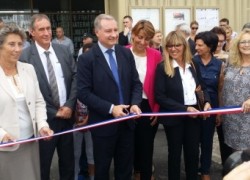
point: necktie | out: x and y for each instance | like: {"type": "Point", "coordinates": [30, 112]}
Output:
{"type": "Point", "coordinates": [52, 81]}
{"type": "Point", "coordinates": [129, 37]}
{"type": "Point", "coordinates": [114, 70]}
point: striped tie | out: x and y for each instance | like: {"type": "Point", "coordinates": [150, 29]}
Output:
{"type": "Point", "coordinates": [52, 81]}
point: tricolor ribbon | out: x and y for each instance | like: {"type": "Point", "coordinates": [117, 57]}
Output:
{"type": "Point", "coordinates": [225, 110]}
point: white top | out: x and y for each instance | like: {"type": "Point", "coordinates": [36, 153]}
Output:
{"type": "Point", "coordinates": [141, 66]}
{"type": "Point", "coordinates": [79, 53]}
{"type": "Point", "coordinates": [57, 69]}
{"type": "Point", "coordinates": [25, 122]}
{"type": "Point", "coordinates": [188, 84]}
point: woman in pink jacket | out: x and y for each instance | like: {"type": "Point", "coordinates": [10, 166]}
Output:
{"type": "Point", "coordinates": [146, 60]}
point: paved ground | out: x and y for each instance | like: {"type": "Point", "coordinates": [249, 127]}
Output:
{"type": "Point", "coordinates": [160, 159]}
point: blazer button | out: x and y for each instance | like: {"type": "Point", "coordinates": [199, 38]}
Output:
{"type": "Point", "coordinates": [29, 103]}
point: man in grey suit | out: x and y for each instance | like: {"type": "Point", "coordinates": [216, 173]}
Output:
{"type": "Point", "coordinates": [56, 72]}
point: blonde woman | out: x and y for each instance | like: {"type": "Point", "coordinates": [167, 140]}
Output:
{"type": "Point", "coordinates": [175, 82]}
{"type": "Point", "coordinates": [236, 91]}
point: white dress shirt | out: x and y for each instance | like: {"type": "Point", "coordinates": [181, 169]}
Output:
{"type": "Point", "coordinates": [57, 69]}
{"type": "Point", "coordinates": [188, 84]}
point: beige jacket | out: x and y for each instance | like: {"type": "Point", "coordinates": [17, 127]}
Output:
{"type": "Point", "coordinates": [9, 122]}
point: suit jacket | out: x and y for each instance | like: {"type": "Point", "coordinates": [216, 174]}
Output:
{"type": "Point", "coordinates": [9, 119]}
{"type": "Point", "coordinates": [30, 55]}
{"type": "Point", "coordinates": [96, 86]}
{"type": "Point", "coordinates": [192, 46]}
{"type": "Point", "coordinates": [169, 92]}
{"type": "Point", "coordinates": [123, 40]}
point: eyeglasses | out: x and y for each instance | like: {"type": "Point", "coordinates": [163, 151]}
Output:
{"type": "Point", "coordinates": [194, 28]}
{"type": "Point", "coordinates": [244, 43]}
{"type": "Point", "coordinates": [173, 45]}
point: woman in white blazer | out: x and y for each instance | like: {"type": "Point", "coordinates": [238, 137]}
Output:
{"type": "Point", "coordinates": [22, 110]}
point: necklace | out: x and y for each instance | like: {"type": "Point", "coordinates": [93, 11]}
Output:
{"type": "Point", "coordinates": [243, 69]}
{"type": "Point", "coordinates": [16, 82]}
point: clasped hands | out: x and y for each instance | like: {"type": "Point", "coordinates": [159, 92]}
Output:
{"type": "Point", "coordinates": [207, 107]}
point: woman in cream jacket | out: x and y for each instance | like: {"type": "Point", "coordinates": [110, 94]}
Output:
{"type": "Point", "coordinates": [22, 110]}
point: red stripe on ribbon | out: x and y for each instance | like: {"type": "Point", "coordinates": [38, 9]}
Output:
{"type": "Point", "coordinates": [227, 110]}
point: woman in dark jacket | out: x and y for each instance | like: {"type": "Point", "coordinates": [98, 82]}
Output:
{"type": "Point", "coordinates": [175, 83]}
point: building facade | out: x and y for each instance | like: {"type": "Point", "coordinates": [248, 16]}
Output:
{"type": "Point", "coordinates": [76, 16]}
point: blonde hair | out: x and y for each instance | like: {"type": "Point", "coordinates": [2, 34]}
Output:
{"type": "Point", "coordinates": [235, 57]}
{"type": "Point", "coordinates": [174, 38]}
{"type": "Point", "coordinates": [228, 28]}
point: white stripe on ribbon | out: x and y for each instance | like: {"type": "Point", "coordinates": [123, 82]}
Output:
{"type": "Point", "coordinates": [226, 110]}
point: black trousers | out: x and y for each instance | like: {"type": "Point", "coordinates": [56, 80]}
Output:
{"type": "Point", "coordinates": [120, 147]}
{"type": "Point", "coordinates": [225, 150]}
{"type": "Point", "coordinates": [144, 144]}
{"type": "Point", "coordinates": [185, 135]}
{"type": "Point", "coordinates": [65, 150]}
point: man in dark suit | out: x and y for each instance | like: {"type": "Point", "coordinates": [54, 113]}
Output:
{"type": "Point", "coordinates": [125, 35]}
{"type": "Point", "coordinates": [56, 74]}
{"type": "Point", "coordinates": [109, 96]}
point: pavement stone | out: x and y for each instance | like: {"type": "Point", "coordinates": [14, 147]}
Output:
{"type": "Point", "coordinates": [160, 160]}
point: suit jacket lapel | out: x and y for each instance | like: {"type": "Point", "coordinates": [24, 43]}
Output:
{"type": "Point", "coordinates": [22, 76]}
{"type": "Point", "coordinates": [63, 64]}
{"type": "Point", "coordinates": [36, 60]}
{"type": "Point", "coordinates": [193, 71]}
{"type": "Point", "coordinates": [101, 59]}
{"type": "Point", "coordinates": [178, 80]}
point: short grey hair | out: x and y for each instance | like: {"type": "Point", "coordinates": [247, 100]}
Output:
{"type": "Point", "coordinates": [246, 26]}
{"type": "Point", "coordinates": [99, 18]}
{"type": "Point", "coordinates": [185, 29]}
{"type": "Point", "coordinates": [11, 29]}
{"type": "Point", "coordinates": [37, 17]}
